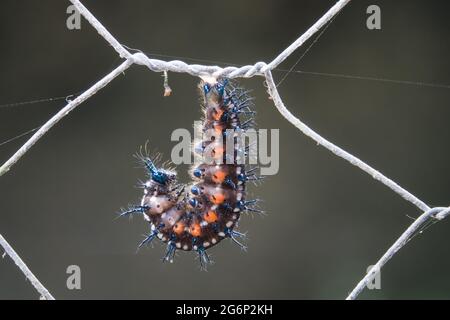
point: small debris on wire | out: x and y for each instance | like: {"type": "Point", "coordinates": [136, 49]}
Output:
{"type": "Point", "coordinates": [69, 98]}
{"type": "Point", "coordinates": [167, 89]}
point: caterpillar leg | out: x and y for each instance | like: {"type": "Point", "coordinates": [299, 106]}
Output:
{"type": "Point", "coordinates": [229, 182]}
{"type": "Point", "coordinates": [149, 238]}
{"type": "Point", "coordinates": [247, 124]}
{"type": "Point", "coordinates": [133, 210]}
{"type": "Point", "coordinates": [170, 252]}
{"type": "Point", "coordinates": [249, 177]}
{"type": "Point", "coordinates": [204, 258]}
{"type": "Point", "coordinates": [249, 206]}
{"type": "Point", "coordinates": [233, 235]}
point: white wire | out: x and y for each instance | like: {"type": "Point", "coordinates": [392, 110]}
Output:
{"type": "Point", "coordinates": [45, 294]}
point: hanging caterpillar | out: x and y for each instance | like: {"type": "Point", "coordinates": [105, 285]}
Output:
{"type": "Point", "coordinates": [198, 217]}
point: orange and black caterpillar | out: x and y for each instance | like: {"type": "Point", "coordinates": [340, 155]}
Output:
{"type": "Point", "coordinates": [201, 215]}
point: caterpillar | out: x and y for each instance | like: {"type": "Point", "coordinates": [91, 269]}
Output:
{"type": "Point", "coordinates": [198, 216]}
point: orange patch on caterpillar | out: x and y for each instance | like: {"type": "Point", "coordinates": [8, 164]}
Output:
{"type": "Point", "coordinates": [210, 216]}
{"type": "Point", "coordinates": [217, 151]}
{"type": "Point", "coordinates": [214, 152]}
{"type": "Point", "coordinates": [195, 229]}
{"type": "Point", "coordinates": [219, 176]}
{"type": "Point", "coordinates": [178, 228]}
{"type": "Point", "coordinates": [217, 198]}
{"type": "Point", "coordinates": [217, 114]}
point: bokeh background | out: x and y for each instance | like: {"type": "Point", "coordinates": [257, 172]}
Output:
{"type": "Point", "coordinates": [327, 221]}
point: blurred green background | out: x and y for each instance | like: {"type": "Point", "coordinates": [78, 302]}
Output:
{"type": "Point", "coordinates": [327, 221]}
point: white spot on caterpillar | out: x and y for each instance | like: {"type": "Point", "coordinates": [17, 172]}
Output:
{"type": "Point", "coordinates": [206, 244]}
{"type": "Point", "coordinates": [214, 240]}
{"type": "Point", "coordinates": [195, 247]}
{"type": "Point", "coordinates": [185, 247]}
{"type": "Point", "coordinates": [229, 223]}
{"type": "Point", "coordinates": [178, 244]}
{"type": "Point", "coordinates": [221, 234]}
